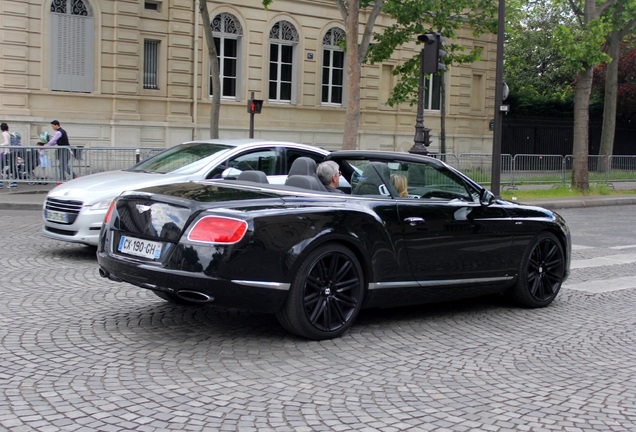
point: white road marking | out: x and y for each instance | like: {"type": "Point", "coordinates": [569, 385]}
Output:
{"type": "Point", "coordinates": [608, 260]}
{"type": "Point", "coordinates": [604, 285]}
{"type": "Point", "coordinates": [581, 247]}
{"type": "Point", "coordinates": [623, 247]}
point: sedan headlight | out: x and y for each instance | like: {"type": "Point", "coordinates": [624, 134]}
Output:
{"type": "Point", "coordinates": [101, 205]}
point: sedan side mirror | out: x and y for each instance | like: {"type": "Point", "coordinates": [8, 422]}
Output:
{"type": "Point", "coordinates": [230, 173]}
{"type": "Point", "coordinates": [486, 198]}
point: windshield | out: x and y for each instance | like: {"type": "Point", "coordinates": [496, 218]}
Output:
{"type": "Point", "coordinates": [405, 179]}
{"type": "Point", "coordinates": [182, 158]}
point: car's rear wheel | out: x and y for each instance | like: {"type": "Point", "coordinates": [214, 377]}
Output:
{"type": "Point", "coordinates": [541, 272]}
{"type": "Point", "coordinates": [326, 294]}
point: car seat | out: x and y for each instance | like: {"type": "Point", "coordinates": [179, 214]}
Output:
{"type": "Point", "coordinates": [305, 182]}
{"type": "Point", "coordinates": [253, 176]}
{"type": "Point", "coordinates": [304, 167]}
{"type": "Point", "coordinates": [375, 180]}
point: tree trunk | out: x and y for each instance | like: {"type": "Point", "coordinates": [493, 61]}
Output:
{"type": "Point", "coordinates": [354, 72]}
{"type": "Point", "coordinates": [611, 88]}
{"type": "Point", "coordinates": [580, 178]}
{"type": "Point", "coordinates": [215, 109]}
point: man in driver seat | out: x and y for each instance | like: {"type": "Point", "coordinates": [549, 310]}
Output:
{"type": "Point", "coordinates": [329, 174]}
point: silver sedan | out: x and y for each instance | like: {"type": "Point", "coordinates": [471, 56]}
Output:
{"type": "Point", "coordinates": [74, 210]}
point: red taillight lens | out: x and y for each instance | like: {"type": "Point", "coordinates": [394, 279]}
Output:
{"type": "Point", "coordinates": [215, 229]}
{"type": "Point", "coordinates": [109, 212]}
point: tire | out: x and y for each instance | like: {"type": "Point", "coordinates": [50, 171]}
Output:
{"type": "Point", "coordinates": [174, 299]}
{"type": "Point", "coordinates": [541, 272]}
{"type": "Point", "coordinates": [326, 294]}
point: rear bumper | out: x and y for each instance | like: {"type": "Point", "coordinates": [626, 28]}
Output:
{"type": "Point", "coordinates": [257, 296]}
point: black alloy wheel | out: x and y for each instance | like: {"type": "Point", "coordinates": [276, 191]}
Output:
{"type": "Point", "coordinates": [541, 272]}
{"type": "Point", "coordinates": [326, 294]}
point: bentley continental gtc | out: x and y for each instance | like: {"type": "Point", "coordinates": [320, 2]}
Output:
{"type": "Point", "coordinates": [406, 229]}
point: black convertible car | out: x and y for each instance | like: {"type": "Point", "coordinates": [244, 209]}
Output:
{"type": "Point", "coordinates": [315, 258]}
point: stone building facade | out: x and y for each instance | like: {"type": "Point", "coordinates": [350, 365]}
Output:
{"type": "Point", "coordinates": [135, 73]}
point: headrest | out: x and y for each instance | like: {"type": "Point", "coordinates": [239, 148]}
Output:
{"type": "Point", "coordinates": [253, 176]}
{"type": "Point", "coordinates": [303, 166]}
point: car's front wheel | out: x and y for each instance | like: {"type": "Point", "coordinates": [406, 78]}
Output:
{"type": "Point", "coordinates": [541, 272]}
{"type": "Point", "coordinates": [326, 294]}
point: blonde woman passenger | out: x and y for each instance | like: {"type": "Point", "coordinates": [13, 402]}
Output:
{"type": "Point", "coordinates": [399, 182]}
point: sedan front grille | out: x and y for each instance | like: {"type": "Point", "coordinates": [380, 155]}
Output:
{"type": "Point", "coordinates": [72, 207]}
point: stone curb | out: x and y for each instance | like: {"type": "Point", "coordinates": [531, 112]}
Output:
{"type": "Point", "coordinates": [579, 202]}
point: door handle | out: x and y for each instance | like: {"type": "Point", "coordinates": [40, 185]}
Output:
{"type": "Point", "coordinates": [413, 221]}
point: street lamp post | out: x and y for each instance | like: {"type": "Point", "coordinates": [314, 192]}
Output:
{"type": "Point", "coordinates": [422, 134]}
{"type": "Point", "coordinates": [431, 57]}
{"type": "Point", "coordinates": [495, 178]}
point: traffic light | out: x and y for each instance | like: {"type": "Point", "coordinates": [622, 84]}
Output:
{"type": "Point", "coordinates": [432, 54]}
{"type": "Point", "coordinates": [254, 106]}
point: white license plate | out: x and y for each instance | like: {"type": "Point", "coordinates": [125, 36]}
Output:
{"type": "Point", "coordinates": [139, 247]}
{"type": "Point", "coordinates": [56, 216]}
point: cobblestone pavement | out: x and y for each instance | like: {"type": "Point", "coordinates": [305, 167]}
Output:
{"type": "Point", "coordinates": [80, 353]}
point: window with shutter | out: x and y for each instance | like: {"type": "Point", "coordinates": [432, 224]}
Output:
{"type": "Point", "coordinates": [72, 28]}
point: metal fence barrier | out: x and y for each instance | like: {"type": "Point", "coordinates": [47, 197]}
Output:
{"type": "Point", "coordinates": [46, 164]}
{"type": "Point", "coordinates": [43, 164]}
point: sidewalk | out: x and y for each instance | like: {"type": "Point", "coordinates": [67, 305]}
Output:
{"type": "Point", "coordinates": [31, 197]}
{"type": "Point", "coordinates": [24, 197]}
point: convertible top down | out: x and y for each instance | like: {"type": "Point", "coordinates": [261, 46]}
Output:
{"type": "Point", "coordinates": [315, 258]}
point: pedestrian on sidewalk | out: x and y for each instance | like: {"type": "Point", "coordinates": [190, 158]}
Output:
{"type": "Point", "coordinates": [5, 155]}
{"type": "Point", "coordinates": [60, 138]}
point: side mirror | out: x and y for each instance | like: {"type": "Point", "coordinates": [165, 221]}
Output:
{"type": "Point", "coordinates": [486, 198]}
{"type": "Point", "coordinates": [231, 173]}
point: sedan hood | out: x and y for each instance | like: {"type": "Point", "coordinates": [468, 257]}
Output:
{"type": "Point", "coordinates": [106, 185]}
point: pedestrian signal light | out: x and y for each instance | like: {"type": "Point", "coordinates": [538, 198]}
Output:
{"type": "Point", "coordinates": [254, 106]}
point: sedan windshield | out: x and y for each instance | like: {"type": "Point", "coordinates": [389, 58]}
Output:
{"type": "Point", "coordinates": [179, 157]}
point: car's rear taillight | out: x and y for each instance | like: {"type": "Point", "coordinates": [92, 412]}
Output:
{"type": "Point", "coordinates": [109, 212]}
{"type": "Point", "coordinates": [216, 229]}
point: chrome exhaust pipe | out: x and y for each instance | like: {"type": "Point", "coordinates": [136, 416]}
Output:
{"type": "Point", "coordinates": [105, 274]}
{"type": "Point", "coordinates": [195, 296]}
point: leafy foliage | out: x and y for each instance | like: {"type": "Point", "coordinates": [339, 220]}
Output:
{"type": "Point", "coordinates": [582, 46]}
{"type": "Point", "coordinates": [526, 101]}
{"type": "Point", "coordinates": [539, 77]}
{"type": "Point", "coordinates": [415, 17]}
{"type": "Point", "coordinates": [626, 95]}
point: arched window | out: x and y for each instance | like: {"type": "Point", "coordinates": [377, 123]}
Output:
{"type": "Point", "coordinates": [332, 67]}
{"type": "Point", "coordinates": [71, 49]}
{"type": "Point", "coordinates": [227, 33]}
{"type": "Point", "coordinates": [283, 43]}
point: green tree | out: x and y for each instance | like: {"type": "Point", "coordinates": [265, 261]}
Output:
{"type": "Point", "coordinates": [623, 18]}
{"type": "Point", "coordinates": [544, 67]}
{"type": "Point", "coordinates": [539, 77]}
{"type": "Point", "coordinates": [582, 45]}
{"type": "Point", "coordinates": [355, 53]}
{"type": "Point", "coordinates": [415, 17]}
